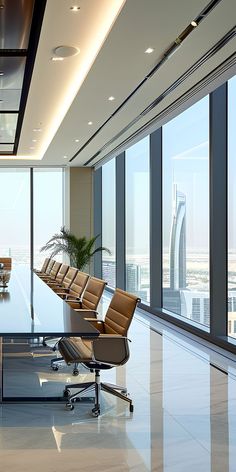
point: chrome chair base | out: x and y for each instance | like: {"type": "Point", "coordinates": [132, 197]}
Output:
{"type": "Point", "coordinates": [115, 390]}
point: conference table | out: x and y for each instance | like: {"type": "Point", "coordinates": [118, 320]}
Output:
{"type": "Point", "coordinates": [29, 309]}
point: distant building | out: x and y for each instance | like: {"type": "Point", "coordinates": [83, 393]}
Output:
{"type": "Point", "coordinates": [178, 242]}
{"type": "Point", "coordinates": [109, 272]}
{"type": "Point", "coordinates": [133, 278]}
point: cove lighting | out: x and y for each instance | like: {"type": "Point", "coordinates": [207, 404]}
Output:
{"type": "Point", "coordinates": [77, 67]}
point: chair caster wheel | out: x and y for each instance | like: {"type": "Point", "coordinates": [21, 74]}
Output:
{"type": "Point", "coordinates": [55, 367]}
{"type": "Point", "coordinates": [69, 406]}
{"type": "Point", "coordinates": [124, 392]}
{"type": "Point", "coordinates": [131, 408]}
{"type": "Point", "coordinates": [75, 372]}
{"type": "Point", "coordinates": [95, 412]}
{"type": "Point", "coordinates": [54, 348]}
{"type": "Point", "coordinates": [44, 343]}
{"type": "Point", "coordinates": [66, 393]}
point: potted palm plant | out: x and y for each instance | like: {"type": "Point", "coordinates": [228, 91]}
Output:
{"type": "Point", "coordinates": [79, 250]}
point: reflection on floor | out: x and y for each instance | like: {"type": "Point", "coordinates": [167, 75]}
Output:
{"type": "Point", "coordinates": [184, 416]}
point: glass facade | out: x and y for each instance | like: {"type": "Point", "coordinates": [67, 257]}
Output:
{"type": "Point", "coordinates": [15, 215]}
{"type": "Point", "coordinates": [15, 212]}
{"type": "Point", "coordinates": [48, 209]}
{"type": "Point", "coordinates": [109, 222]}
{"type": "Point", "coordinates": [137, 219]}
{"type": "Point", "coordinates": [231, 208]}
{"type": "Point", "coordinates": [186, 214]}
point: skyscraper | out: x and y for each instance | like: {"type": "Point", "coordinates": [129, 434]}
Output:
{"type": "Point", "coordinates": [178, 242]}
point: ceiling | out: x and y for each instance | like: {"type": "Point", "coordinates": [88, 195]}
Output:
{"type": "Point", "coordinates": [51, 102]}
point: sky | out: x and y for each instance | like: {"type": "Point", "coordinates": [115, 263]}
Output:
{"type": "Point", "coordinates": [15, 206]}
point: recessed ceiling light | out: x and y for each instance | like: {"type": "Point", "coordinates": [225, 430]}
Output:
{"type": "Point", "coordinates": [90, 123]}
{"type": "Point", "coordinates": [149, 50]}
{"type": "Point", "coordinates": [1, 6]}
{"type": "Point", "coordinates": [57, 59]}
{"type": "Point", "coordinates": [1, 73]}
{"type": "Point", "coordinates": [60, 52]}
{"type": "Point", "coordinates": [111, 98]}
{"type": "Point", "coordinates": [34, 140]}
{"type": "Point", "coordinates": [74, 8]}
{"type": "Point", "coordinates": [194, 23]}
{"type": "Point", "coordinates": [37, 129]}
{"type": "Point", "coordinates": [76, 140]}
{"type": "Point", "coordinates": [65, 157]}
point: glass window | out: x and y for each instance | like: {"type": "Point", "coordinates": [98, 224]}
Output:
{"type": "Point", "coordinates": [109, 222]}
{"type": "Point", "coordinates": [48, 209]}
{"type": "Point", "coordinates": [186, 213]}
{"type": "Point", "coordinates": [232, 205]}
{"type": "Point", "coordinates": [137, 219]}
{"type": "Point", "coordinates": [15, 215]}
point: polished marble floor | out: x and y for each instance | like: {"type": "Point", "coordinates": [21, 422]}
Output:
{"type": "Point", "coordinates": [184, 416]}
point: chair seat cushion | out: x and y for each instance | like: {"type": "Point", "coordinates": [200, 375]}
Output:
{"type": "Point", "coordinates": [75, 350]}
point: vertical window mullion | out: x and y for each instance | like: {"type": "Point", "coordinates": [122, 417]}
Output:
{"type": "Point", "coordinates": [31, 218]}
{"type": "Point", "coordinates": [156, 219]}
{"type": "Point", "coordinates": [97, 205]}
{"type": "Point", "coordinates": [218, 211]}
{"type": "Point", "coordinates": [120, 221]}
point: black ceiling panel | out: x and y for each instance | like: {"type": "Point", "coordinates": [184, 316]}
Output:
{"type": "Point", "coordinates": [20, 26]}
{"type": "Point", "coordinates": [15, 23]}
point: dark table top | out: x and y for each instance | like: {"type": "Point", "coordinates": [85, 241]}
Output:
{"type": "Point", "coordinates": [29, 307]}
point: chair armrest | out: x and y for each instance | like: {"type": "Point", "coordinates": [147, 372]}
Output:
{"type": "Point", "coordinates": [111, 350]}
{"type": "Point", "coordinates": [73, 298]}
{"type": "Point", "coordinates": [99, 325]}
{"type": "Point", "coordinates": [63, 290]}
{"type": "Point", "coordinates": [86, 313]}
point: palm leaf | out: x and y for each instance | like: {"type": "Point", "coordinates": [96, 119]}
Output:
{"type": "Point", "coordinates": [80, 250]}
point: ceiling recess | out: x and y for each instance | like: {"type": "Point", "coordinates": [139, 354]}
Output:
{"type": "Point", "coordinates": [66, 51]}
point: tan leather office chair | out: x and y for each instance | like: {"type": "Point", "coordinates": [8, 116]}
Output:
{"type": "Point", "coordinates": [61, 291]}
{"type": "Point", "coordinates": [53, 273]}
{"type": "Point", "coordinates": [77, 287]}
{"type": "Point", "coordinates": [66, 283]}
{"type": "Point", "coordinates": [91, 297]}
{"type": "Point", "coordinates": [48, 269]}
{"type": "Point", "coordinates": [59, 277]}
{"type": "Point", "coordinates": [88, 306]}
{"type": "Point", "coordinates": [44, 266]}
{"type": "Point", "coordinates": [110, 349]}
{"type": "Point", "coordinates": [7, 262]}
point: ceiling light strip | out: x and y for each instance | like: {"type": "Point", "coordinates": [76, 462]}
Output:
{"type": "Point", "coordinates": [209, 54]}
{"type": "Point", "coordinates": [167, 54]}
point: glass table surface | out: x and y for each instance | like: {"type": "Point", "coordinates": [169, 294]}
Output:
{"type": "Point", "coordinates": [28, 306]}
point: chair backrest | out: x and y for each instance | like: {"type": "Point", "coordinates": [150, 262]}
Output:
{"type": "Point", "coordinates": [55, 268]}
{"type": "Point", "coordinates": [120, 312]}
{"type": "Point", "coordinates": [62, 272]}
{"type": "Point", "coordinates": [7, 262]}
{"type": "Point", "coordinates": [45, 264]}
{"type": "Point", "coordinates": [69, 277]}
{"type": "Point", "coordinates": [93, 292]}
{"type": "Point", "coordinates": [79, 284]}
{"type": "Point", "coordinates": [49, 266]}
